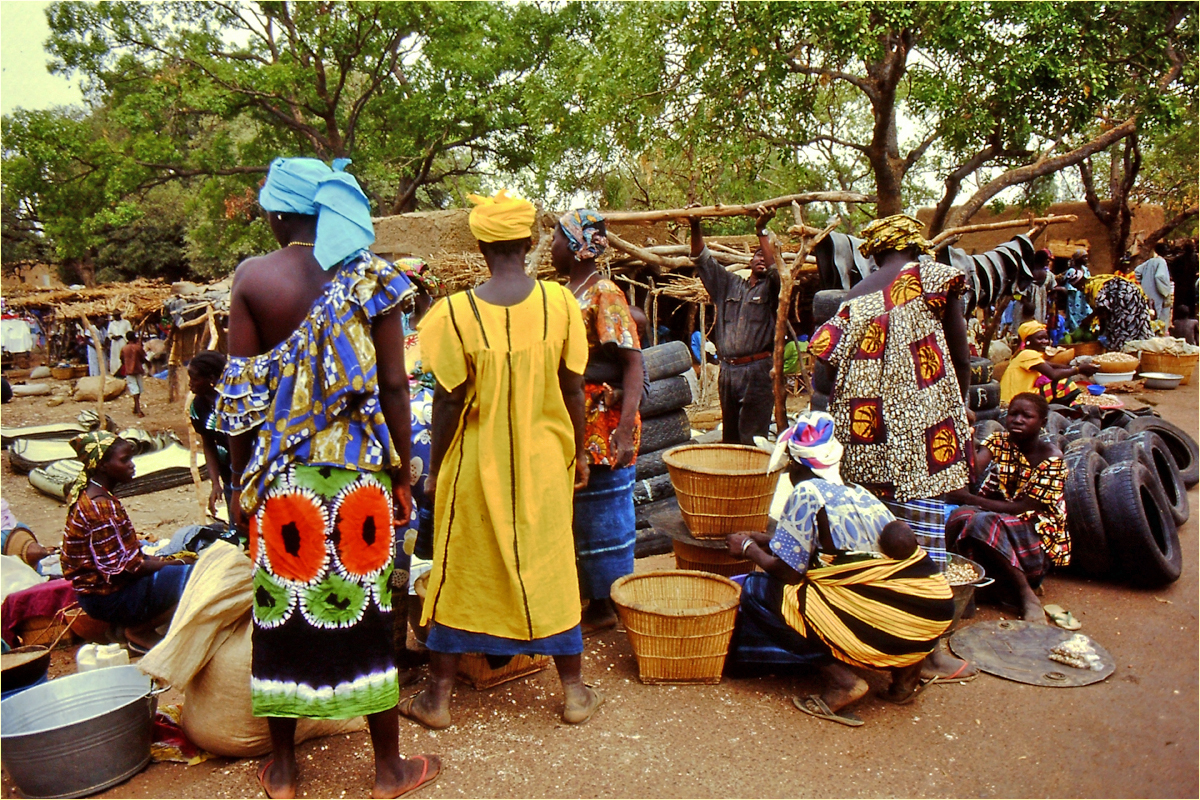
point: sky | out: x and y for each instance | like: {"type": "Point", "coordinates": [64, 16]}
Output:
{"type": "Point", "coordinates": [24, 80]}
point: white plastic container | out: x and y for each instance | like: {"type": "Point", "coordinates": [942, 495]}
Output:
{"type": "Point", "coordinates": [85, 659]}
{"type": "Point", "coordinates": [99, 656]}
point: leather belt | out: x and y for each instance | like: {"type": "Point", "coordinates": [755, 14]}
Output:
{"type": "Point", "coordinates": [747, 359]}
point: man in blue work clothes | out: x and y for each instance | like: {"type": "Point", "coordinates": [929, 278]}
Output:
{"type": "Point", "coordinates": [744, 334]}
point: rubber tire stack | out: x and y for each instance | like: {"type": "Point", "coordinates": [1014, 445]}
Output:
{"type": "Point", "coordinates": [1126, 496]}
{"type": "Point", "coordinates": [984, 395]}
{"type": "Point", "coordinates": [664, 425]}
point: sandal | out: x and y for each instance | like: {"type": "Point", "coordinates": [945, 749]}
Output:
{"type": "Point", "coordinates": [922, 683]}
{"type": "Point", "coordinates": [814, 706]}
{"type": "Point", "coordinates": [1062, 618]}
{"type": "Point", "coordinates": [425, 777]}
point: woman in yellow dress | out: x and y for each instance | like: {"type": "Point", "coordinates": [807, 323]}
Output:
{"type": "Point", "coordinates": [508, 424]}
{"type": "Point", "coordinates": [1029, 371]}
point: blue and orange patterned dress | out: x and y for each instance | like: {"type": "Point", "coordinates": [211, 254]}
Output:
{"type": "Point", "coordinates": [319, 499]}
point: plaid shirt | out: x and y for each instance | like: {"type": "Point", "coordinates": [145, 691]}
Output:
{"type": "Point", "coordinates": [100, 549]}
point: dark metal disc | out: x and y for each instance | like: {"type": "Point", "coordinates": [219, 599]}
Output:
{"type": "Point", "coordinates": [1019, 651]}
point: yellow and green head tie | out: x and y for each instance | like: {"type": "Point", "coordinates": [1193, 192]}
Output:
{"type": "Point", "coordinates": [897, 232]}
{"type": "Point", "coordinates": [90, 448]}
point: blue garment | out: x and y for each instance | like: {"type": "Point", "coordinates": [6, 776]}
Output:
{"type": "Point", "coordinates": [855, 520]}
{"type": "Point", "coordinates": [761, 636]}
{"type": "Point", "coordinates": [309, 186]}
{"type": "Point", "coordinates": [1077, 308]}
{"type": "Point", "coordinates": [444, 639]}
{"type": "Point", "coordinates": [141, 601]}
{"type": "Point", "coordinates": [314, 398]}
{"type": "Point", "coordinates": [1060, 329]}
{"type": "Point", "coordinates": [605, 530]}
{"type": "Point", "coordinates": [927, 518]}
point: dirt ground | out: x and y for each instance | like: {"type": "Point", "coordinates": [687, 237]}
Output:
{"type": "Point", "coordinates": [1134, 735]}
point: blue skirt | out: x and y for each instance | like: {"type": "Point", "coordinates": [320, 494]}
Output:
{"type": "Point", "coordinates": [140, 601]}
{"type": "Point", "coordinates": [604, 527]}
{"type": "Point", "coordinates": [762, 640]}
{"type": "Point", "coordinates": [444, 639]}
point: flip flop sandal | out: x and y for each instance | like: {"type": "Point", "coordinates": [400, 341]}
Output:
{"type": "Point", "coordinates": [426, 776]}
{"type": "Point", "coordinates": [405, 707]}
{"type": "Point", "coordinates": [814, 706]}
{"type": "Point", "coordinates": [922, 684]}
{"type": "Point", "coordinates": [591, 711]}
{"type": "Point", "coordinates": [1062, 618]}
{"type": "Point", "coordinates": [262, 777]}
{"type": "Point", "coordinates": [957, 677]}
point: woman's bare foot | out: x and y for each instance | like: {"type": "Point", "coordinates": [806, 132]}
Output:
{"type": "Point", "coordinates": [399, 776]}
{"type": "Point", "coordinates": [842, 687]}
{"type": "Point", "coordinates": [277, 778]}
{"type": "Point", "coordinates": [422, 708]}
{"type": "Point", "coordinates": [581, 703]}
{"type": "Point", "coordinates": [1031, 609]}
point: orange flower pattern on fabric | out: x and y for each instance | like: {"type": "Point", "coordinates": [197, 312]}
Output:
{"type": "Point", "coordinates": [292, 524]}
{"type": "Point", "coordinates": [1012, 477]}
{"type": "Point", "coordinates": [609, 325]}
{"type": "Point", "coordinates": [874, 339]}
{"type": "Point", "coordinates": [906, 288]}
{"type": "Point", "coordinates": [929, 365]}
{"type": "Point", "coordinates": [866, 421]}
{"type": "Point", "coordinates": [943, 445]}
{"type": "Point", "coordinates": [362, 529]}
{"type": "Point", "coordinates": [252, 535]}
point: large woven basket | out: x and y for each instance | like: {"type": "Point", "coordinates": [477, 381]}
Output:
{"type": "Point", "coordinates": [679, 623]}
{"type": "Point", "coordinates": [474, 668]}
{"type": "Point", "coordinates": [1165, 362]}
{"type": "Point", "coordinates": [722, 488]}
{"type": "Point", "coordinates": [1088, 348]}
{"type": "Point", "coordinates": [706, 559]}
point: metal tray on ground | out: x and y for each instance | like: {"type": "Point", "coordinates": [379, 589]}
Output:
{"type": "Point", "coordinates": [1019, 651]}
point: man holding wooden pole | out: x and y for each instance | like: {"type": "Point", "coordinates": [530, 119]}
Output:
{"type": "Point", "coordinates": [744, 334]}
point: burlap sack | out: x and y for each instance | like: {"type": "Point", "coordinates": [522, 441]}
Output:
{"type": "Point", "coordinates": [86, 389]}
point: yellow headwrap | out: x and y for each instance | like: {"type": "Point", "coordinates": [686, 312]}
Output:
{"type": "Point", "coordinates": [897, 232]}
{"type": "Point", "coordinates": [501, 218]}
{"type": "Point", "coordinates": [1029, 328]}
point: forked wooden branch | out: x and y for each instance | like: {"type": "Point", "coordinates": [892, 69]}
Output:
{"type": "Point", "coordinates": [748, 209]}
{"type": "Point", "coordinates": [996, 226]}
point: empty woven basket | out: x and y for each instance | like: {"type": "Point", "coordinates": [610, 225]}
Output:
{"type": "Point", "coordinates": [722, 488]}
{"type": "Point", "coordinates": [679, 623]}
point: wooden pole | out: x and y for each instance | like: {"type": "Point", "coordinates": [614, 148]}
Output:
{"type": "Point", "coordinates": [989, 332]}
{"type": "Point", "coordinates": [102, 362]}
{"type": "Point", "coordinates": [703, 355]}
{"type": "Point", "coordinates": [745, 210]}
{"type": "Point", "coordinates": [787, 280]}
{"type": "Point", "coordinates": [996, 226]}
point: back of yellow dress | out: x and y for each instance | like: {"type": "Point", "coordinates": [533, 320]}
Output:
{"type": "Point", "coordinates": [504, 559]}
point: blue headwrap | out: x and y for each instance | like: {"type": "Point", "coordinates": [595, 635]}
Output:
{"type": "Point", "coordinates": [811, 442]}
{"type": "Point", "coordinates": [586, 233]}
{"type": "Point", "coordinates": [308, 186]}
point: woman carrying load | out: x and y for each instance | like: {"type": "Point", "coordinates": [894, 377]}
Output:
{"type": "Point", "coordinates": [315, 400]}
{"type": "Point", "coordinates": [604, 522]}
{"type": "Point", "coordinates": [508, 426]}
{"type": "Point", "coordinates": [899, 347]}
{"type": "Point", "coordinates": [1029, 371]}
{"type": "Point", "coordinates": [844, 583]}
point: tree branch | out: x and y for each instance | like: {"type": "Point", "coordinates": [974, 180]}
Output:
{"type": "Point", "coordinates": [1147, 245]}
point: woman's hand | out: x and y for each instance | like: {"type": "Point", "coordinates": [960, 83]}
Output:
{"type": "Point", "coordinates": [402, 502]}
{"type": "Point", "coordinates": [737, 544]}
{"type": "Point", "coordinates": [214, 497]}
{"type": "Point", "coordinates": [582, 473]}
{"type": "Point", "coordinates": [240, 522]}
{"type": "Point", "coordinates": [622, 441]}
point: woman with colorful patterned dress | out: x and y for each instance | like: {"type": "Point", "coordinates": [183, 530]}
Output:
{"type": "Point", "coordinates": [1121, 308]}
{"type": "Point", "coordinates": [508, 426]}
{"type": "Point", "coordinates": [315, 400]}
{"type": "Point", "coordinates": [831, 592]}
{"type": "Point", "coordinates": [1029, 371]}
{"type": "Point", "coordinates": [604, 524]}
{"type": "Point", "coordinates": [899, 347]}
{"type": "Point", "coordinates": [1016, 525]}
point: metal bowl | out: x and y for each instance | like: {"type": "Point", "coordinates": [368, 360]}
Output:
{"type": "Point", "coordinates": [1105, 378]}
{"type": "Point", "coordinates": [1161, 380]}
{"type": "Point", "coordinates": [964, 593]}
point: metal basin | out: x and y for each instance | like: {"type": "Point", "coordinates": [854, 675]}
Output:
{"type": "Point", "coordinates": [964, 593]}
{"type": "Point", "coordinates": [78, 735]}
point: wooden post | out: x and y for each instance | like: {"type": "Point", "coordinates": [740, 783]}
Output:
{"type": "Point", "coordinates": [786, 283]}
{"type": "Point", "coordinates": [102, 361]}
{"type": "Point", "coordinates": [989, 332]}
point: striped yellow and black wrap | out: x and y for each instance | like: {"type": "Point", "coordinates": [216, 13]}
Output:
{"type": "Point", "coordinates": [877, 613]}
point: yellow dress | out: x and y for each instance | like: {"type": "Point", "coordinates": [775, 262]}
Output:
{"type": "Point", "coordinates": [504, 556]}
{"type": "Point", "coordinates": [1020, 376]}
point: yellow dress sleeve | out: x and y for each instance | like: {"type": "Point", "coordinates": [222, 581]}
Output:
{"type": "Point", "coordinates": [443, 351]}
{"type": "Point", "coordinates": [575, 348]}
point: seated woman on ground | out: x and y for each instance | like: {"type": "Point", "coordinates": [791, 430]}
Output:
{"type": "Point", "coordinates": [101, 556]}
{"type": "Point", "coordinates": [1016, 525]}
{"type": "Point", "coordinates": [1029, 371]}
{"type": "Point", "coordinates": [819, 559]}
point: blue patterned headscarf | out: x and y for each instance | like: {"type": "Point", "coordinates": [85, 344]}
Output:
{"type": "Point", "coordinates": [309, 186]}
{"type": "Point", "coordinates": [585, 231]}
{"type": "Point", "coordinates": [811, 442]}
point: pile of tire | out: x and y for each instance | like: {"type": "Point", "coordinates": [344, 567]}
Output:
{"type": "Point", "coordinates": [665, 424]}
{"type": "Point", "coordinates": [984, 395]}
{"type": "Point", "coordinates": [1126, 495]}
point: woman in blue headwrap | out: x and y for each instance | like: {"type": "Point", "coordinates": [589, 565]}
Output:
{"type": "Point", "coordinates": [315, 400]}
{"type": "Point", "coordinates": [843, 582]}
{"type": "Point", "coordinates": [604, 523]}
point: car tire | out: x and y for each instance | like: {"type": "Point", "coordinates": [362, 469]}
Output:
{"type": "Point", "coordinates": [992, 414]}
{"type": "Point", "coordinates": [1081, 429]}
{"type": "Point", "coordinates": [826, 303]}
{"type": "Point", "coordinates": [651, 489]}
{"type": "Point", "coordinates": [650, 465]}
{"type": "Point", "coordinates": [664, 431]}
{"type": "Point", "coordinates": [983, 396]}
{"type": "Point", "coordinates": [666, 394]}
{"type": "Point", "coordinates": [1155, 455]}
{"type": "Point", "coordinates": [666, 360]}
{"type": "Point", "coordinates": [981, 370]}
{"type": "Point", "coordinates": [1090, 551]}
{"type": "Point", "coordinates": [1141, 531]}
{"type": "Point", "coordinates": [1182, 446]}
{"type": "Point", "coordinates": [985, 428]}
